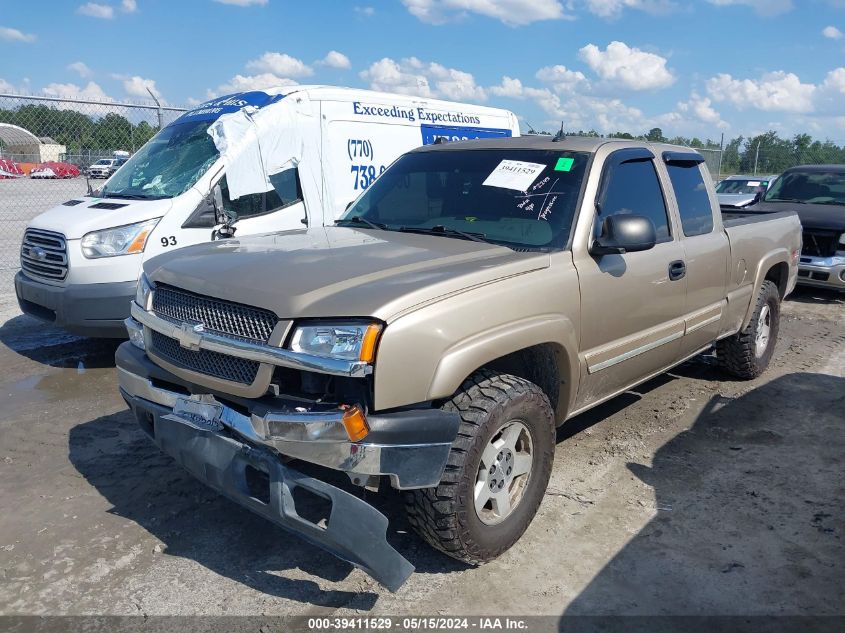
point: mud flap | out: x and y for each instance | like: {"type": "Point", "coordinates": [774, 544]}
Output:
{"type": "Point", "coordinates": [355, 531]}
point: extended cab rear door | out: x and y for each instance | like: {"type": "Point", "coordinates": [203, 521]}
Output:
{"type": "Point", "coordinates": [705, 246]}
{"type": "Point", "coordinates": [632, 307]}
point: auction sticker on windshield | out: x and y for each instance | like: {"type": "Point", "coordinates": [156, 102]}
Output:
{"type": "Point", "coordinates": [514, 174]}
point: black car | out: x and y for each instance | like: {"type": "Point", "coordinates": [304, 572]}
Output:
{"type": "Point", "coordinates": [817, 194]}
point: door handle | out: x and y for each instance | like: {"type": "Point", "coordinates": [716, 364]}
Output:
{"type": "Point", "coordinates": [677, 270]}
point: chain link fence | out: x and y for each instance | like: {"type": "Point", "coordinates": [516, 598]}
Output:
{"type": "Point", "coordinates": [770, 156]}
{"type": "Point", "coordinates": [48, 145]}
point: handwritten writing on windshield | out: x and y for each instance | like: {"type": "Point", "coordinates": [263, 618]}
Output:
{"type": "Point", "coordinates": [535, 200]}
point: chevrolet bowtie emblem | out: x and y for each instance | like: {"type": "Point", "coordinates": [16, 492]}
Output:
{"type": "Point", "coordinates": [189, 336]}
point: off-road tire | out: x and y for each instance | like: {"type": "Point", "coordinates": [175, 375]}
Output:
{"type": "Point", "coordinates": [445, 516]}
{"type": "Point", "coordinates": [736, 354]}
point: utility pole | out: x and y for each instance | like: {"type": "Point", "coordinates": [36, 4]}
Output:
{"type": "Point", "coordinates": [158, 105]}
{"type": "Point", "coordinates": [721, 152]}
{"type": "Point", "coordinates": [756, 156]}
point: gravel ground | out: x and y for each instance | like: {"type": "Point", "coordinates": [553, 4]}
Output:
{"type": "Point", "coordinates": [695, 494]}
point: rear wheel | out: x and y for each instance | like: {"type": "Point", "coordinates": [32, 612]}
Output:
{"type": "Point", "coordinates": [497, 471]}
{"type": "Point", "coordinates": [747, 354]}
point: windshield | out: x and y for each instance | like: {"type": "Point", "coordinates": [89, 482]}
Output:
{"type": "Point", "coordinates": [814, 187]}
{"type": "Point", "coordinates": [103, 162]}
{"type": "Point", "coordinates": [523, 199]}
{"type": "Point", "coordinates": [742, 186]}
{"type": "Point", "coordinates": [167, 166]}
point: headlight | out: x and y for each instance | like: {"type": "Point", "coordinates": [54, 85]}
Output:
{"type": "Point", "coordinates": [143, 292]}
{"type": "Point", "coordinates": [121, 240]}
{"type": "Point", "coordinates": [343, 341]}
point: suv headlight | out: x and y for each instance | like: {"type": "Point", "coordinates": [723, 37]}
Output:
{"type": "Point", "coordinates": [143, 292]}
{"type": "Point", "coordinates": [120, 240]}
{"type": "Point", "coordinates": [342, 341]}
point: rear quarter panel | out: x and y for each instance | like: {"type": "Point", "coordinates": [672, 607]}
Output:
{"type": "Point", "coordinates": [757, 244]}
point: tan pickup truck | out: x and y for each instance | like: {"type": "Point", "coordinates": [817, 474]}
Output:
{"type": "Point", "coordinates": [475, 297]}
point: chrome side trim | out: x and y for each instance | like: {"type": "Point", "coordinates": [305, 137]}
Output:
{"type": "Point", "coordinates": [408, 465]}
{"type": "Point", "coordinates": [634, 352]}
{"type": "Point", "coordinates": [261, 353]}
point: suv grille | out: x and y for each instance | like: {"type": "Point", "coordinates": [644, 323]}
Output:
{"type": "Point", "coordinates": [203, 361]}
{"type": "Point", "coordinates": [221, 317]}
{"type": "Point", "coordinates": [44, 254]}
{"type": "Point", "coordinates": [819, 243]}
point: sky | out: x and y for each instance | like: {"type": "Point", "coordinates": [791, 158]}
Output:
{"type": "Point", "coordinates": [696, 68]}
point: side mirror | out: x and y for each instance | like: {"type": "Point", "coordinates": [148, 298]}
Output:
{"type": "Point", "coordinates": [624, 233]}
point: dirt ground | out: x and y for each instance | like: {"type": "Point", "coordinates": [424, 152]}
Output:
{"type": "Point", "coordinates": [694, 495]}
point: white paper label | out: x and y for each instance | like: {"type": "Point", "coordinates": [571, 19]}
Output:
{"type": "Point", "coordinates": [514, 174]}
{"type": "Point", "coordinates": [753, 183]}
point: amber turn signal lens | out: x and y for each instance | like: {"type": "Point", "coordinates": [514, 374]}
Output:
{"type": "Point", "coordinates": [355, 423]}
{"type": "Point", "coordinates": [368, 343]}
{"type": "Point", "coordinates": [139, 242]}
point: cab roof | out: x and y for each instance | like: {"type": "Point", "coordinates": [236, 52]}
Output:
{"type": "Point", "coordinates": [589, 144]}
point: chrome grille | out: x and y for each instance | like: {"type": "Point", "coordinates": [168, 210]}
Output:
{"type": "Point", "coordinates": [203, 361]}
{"type": "Point", "coordinates": [222, 317]}
{"type": "Point", "coordinates": [44, 254]}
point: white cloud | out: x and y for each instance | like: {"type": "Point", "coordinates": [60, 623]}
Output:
{"type": "Point", "coordinates": [94, 10]}
{"type": "Point", "coordinates": [244, 3]}
{"type": "Point", "coordinates": [334, 59]}
{"type": "Point", "coordinates": [762, 7]}
{"type": "Point", "coordinates": [245, 83]}
{"type": "Point", "coordinates": [613, 8]}
{"type": "Point", "coordinates": [774, 92]}
{"type": "Point", "coordinates": [136, 86]}
{"type": "Point", "coordinates": [14, 35]}
{"type": "Point", "coordinates": [831, 32]}
{"type": "Point", "coordinates": [701, 108]}
{"type": "Point", "coordinates": [6, 87]}
{"type": "Point", "coordinates": [562, 79]}
{"type": "Point", "coordinates": [129, 6]}
{"type": "Point", "coordinates": [624, 66]}
{"type": "Point", "coordinates": [509, 87]}
{"type": "Point", "coordinates": [280, 64]}
{"type": "Point", "coordinates": [81, 69]}
{"type": "Point", "coordinates": [91, 91]}
{"type": "Point", "coordinates": [366, 12]}
{"type": "Point", "coordinates": [510, 12]}
{"type": "Point", "coordinates": [425, 79]}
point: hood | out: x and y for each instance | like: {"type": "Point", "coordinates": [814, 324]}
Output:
{"type": "Point", "coordinates": [338, 272]}
{"type": "Point", "coordinates": [74, 222]}
{"type": "Point", "coordinates": [813, 216]}
{"type": "Point", "coordinates": [735, 199]}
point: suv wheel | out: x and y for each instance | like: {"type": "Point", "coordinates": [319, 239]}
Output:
{"type": "Point", "coordinates": [497, 471]}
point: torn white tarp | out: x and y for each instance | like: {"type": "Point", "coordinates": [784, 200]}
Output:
{"type": "Point", "coordinates": [256, 144]}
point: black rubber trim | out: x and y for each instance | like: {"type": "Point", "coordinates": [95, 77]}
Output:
{"type": "Point", "coordinates": [355, 531]}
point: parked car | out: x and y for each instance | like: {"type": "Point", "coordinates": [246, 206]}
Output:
{"type": "Point", "coordinates": [9, 169]}
{"type": "Point", "coordinates": [476, 296]}
{"type": "Point", "coordinates": [817, 194]}
{"type": "Point", "coordinates": [736, 192]}
{"type": "Point", "coordinates": [53, 169]}
{"type": "Point", "coordinates": [105, 168]}
{"type": "Point", "coordinates": [319, 148]}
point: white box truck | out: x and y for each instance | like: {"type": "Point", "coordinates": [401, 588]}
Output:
{"type": "Point", "coordinates": [275, 160]}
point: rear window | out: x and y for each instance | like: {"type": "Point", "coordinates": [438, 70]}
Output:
{"type": "Point", "coordinates": [519, 198]}
{"type": "Point", "coordinates": [693, 201]}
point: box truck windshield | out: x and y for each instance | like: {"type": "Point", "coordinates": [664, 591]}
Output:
{"type": "Point", "coordinates": [167, 166]}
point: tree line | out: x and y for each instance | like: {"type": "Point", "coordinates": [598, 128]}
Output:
{"type": "Point", "coordinates": [768, 152]}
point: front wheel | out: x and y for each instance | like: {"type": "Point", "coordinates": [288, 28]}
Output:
{"type": "Point", "coordinates": [497, 471]}
{"type": "Point", "coordinates": [747, 354]}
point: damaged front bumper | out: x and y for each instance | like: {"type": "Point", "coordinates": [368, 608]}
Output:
{"type": "Point", "coordinates": [226, 446]}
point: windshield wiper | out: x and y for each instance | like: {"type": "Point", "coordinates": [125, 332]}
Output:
{"type": "Point", "coordinates": [439, 229]}
{"type": "Point", "coordinates": [786, 200]}
{"type": "Point", "coordinates": [359, 220]}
